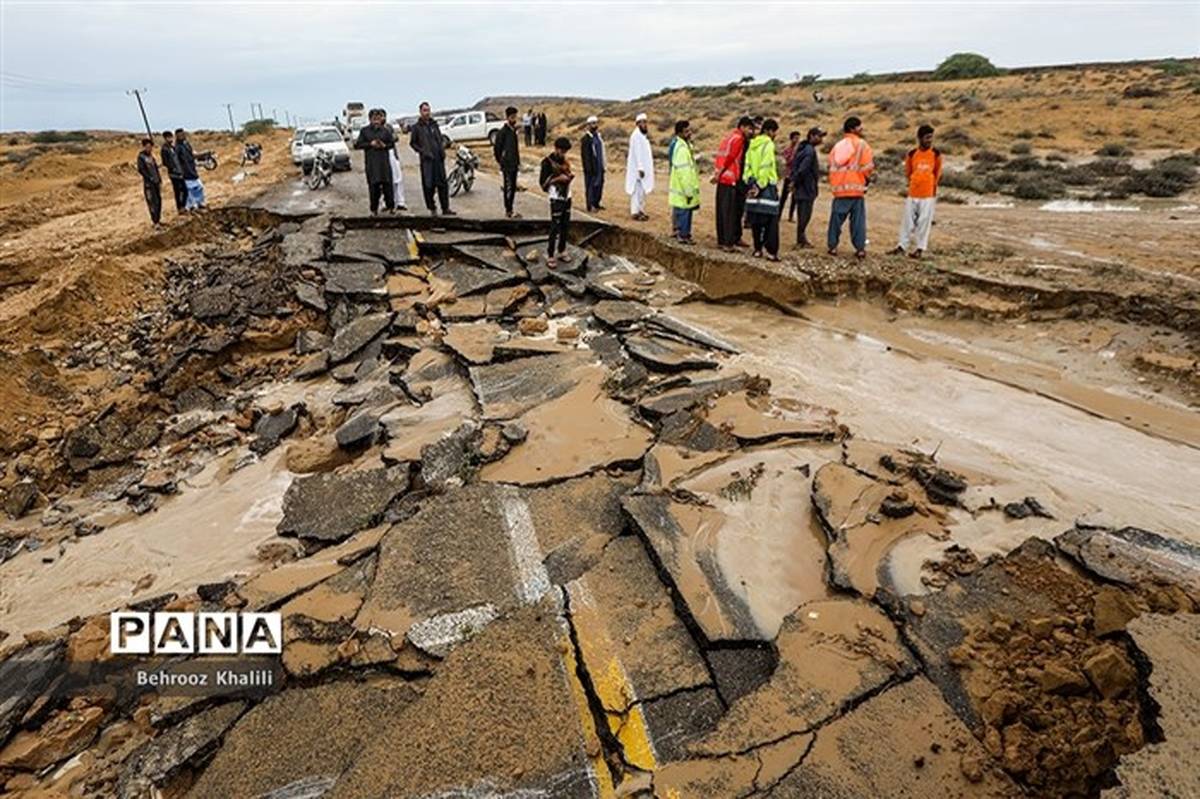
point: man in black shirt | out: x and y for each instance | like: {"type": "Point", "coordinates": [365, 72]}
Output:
{"type": "Point", "coordinates": [508, 156]}
{"type": "Point", "coordinates": [377, 141]}
{"type": "Point", "coordinates": [426, 139]}
{"type": "Point", "coordinates": [805, 180]}
{"type": "Point", "coordinates": [171, 163]}
{"type": "Point", "coordinates": [187, 166]}
{"type": "Point", "coordinates": [147, 167]}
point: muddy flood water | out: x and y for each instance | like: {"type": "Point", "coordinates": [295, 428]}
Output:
{"type": "Point", "coordinates": [559, 533]}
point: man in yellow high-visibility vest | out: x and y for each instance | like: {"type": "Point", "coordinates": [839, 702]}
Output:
{"type": "Point", "coordinates": [685, 182]}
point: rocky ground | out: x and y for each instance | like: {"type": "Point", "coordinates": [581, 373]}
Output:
{"type": "Point", "coordinates": [585, 532]}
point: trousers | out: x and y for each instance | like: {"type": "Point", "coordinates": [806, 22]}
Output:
{"type": "Point", "coordinates": [916, 221]}
{"type": "Point", "coordinates": [384, 189]}
{"type": "Point", "coordinates": [560, 222]}
{"type": "Point", "coordinates": [179, 188]}
{"type": "Point", "coordinates": [729, 218]}
{"type": "Point", "coordinates": [433, 179]}
{"type": "Point", "coordinates": [804, 212]}
{"type": "Point", "coordinates": [856, 209]}
{"type": "Point", "coordinates": [153, 192]}
{"type": "Point", "coordinates": [509, 189]}
{"type": "Point", "coordinates": [637, 200]}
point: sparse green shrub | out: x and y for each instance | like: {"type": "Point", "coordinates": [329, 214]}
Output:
{"type": "Point", "coordinates": [1137, 90]}
{"type": "Point", "coordinates": [965, 65]}
{"type": "Point", "coordinates": [859, 78]}
{"type": "Point", "coordinates": [1025, 163]}
{"type": "Point", "coordinates": [1175, 67]}
{"type": "Point", "coordinates": [257, 127]}
{"type": "Point", "coordinates": [971, 104]}
{"type": "Point", "coordinates": [1057, 158]}
{"type": "Point", "coordinates": [1025, 134]}
{"type": "Point", "coordinates": [1114, 150]}
{"type": "Point", "coordinates": [988, 157]}
{"type": "Point", "coordinates": [13, 141]}
{"type": "Point", "coordinates": [57, 136]}
{"type": "Point", "coordinates": [1021, 148]}
{"type": "Point", "coordinates": [1038, 187]}
{"type": "Point", "coordinates": [808, 80]}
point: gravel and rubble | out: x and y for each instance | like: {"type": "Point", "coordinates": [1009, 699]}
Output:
{"type": "Point", "coordinates": [531, 535]}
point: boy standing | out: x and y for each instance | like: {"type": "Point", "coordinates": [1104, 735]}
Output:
{"type": "Point", "coordinates": [170, 162]}
{"type": "Point", "coordinates": [923, 167]}
{"type": "Point", "coordinates": [151, 181]}
{"type": "Point", "coordinates": [555, 180]}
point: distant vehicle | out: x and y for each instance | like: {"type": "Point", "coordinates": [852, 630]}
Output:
{"type": "Point", "coordinates": [462, 178]}
{"type": "Point", "coordinates": [251, 153]}
{"type": "Point", "coordinates": [353, 111]}
{"type": "Point", "coordinates": [321, 173]}
{"type": "Point", "coordinates": [319, 139]}
{"type": "Point", "coordinates": [472, 126]}
{"type": "Point", "coordinates": [207, 159]}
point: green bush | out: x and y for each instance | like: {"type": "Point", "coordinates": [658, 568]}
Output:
{"type": "Point", "coordinates": [859, 78]}
{"type": "Point", "coordinates": [1021, 148]}
{"type": "Point", "coordinates": [56, 136]}
{"type": "Point", "coordinates": [1114, 150]}
{"type": "Point", "coordinates": [965, 65]}
{"type": "Point", "coordinates": [1025, 134]}
{"type": "Point", "coordinates": [1168, 177]}
{"type": "Point", "coordinates": [257, 127]}
{"type": "Point", "coordinates": [988, 157]}
{"type": "Point", "coordinates": [1038, 187]}
{"type": "Point", "coordinates": [1173, 66]}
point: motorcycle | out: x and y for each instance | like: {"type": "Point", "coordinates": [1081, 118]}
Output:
{"type": "Point", "coordinates": [251, 153]}
{"type": "Point", "coordinates": [322, 170]}
{"type": "Point", "coordinates": [207, 159]}
{"type": "Point", "coordinates": [463, 176]}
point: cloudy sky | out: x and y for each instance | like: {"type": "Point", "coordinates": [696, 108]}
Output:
{"type": "Point", "coordinates": [68, 64]}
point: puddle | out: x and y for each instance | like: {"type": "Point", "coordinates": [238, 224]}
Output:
{"type": "Point", "coordinates": [210, 531]}
{"type": "Point", "coordinates": [1085, 207]}
{"type": "Point", "coordinates": [1090, 467]}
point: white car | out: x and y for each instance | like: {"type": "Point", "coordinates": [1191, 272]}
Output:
{"type": "Point", "coordinates": [327, 139]}
{"type": "Point", "coordinates": [297, 140]}
{"type": "Point", "coordinates": [472, 126]}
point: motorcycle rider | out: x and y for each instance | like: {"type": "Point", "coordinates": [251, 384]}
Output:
{"type": "Point", "coordinates": [426, 140]}
{"type": "Point", "coordinates": [508, 156]}
{"type": "Point", "coordinates": [377, 140]}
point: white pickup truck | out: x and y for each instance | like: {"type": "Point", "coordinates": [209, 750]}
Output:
{"type": "Point", "coordinates": [472, 126]}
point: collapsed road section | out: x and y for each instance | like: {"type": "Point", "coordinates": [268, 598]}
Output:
{"type": "Point", "coordinates": [532, 532]}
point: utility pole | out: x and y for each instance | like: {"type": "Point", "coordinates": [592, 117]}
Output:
{"type": "Point", "coordinates": [138, 94]}
{"type": "Point", "coordinates": [229, 108]}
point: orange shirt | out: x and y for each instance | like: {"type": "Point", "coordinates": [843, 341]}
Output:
{"type": "Point", "coordinates": [924, 171]}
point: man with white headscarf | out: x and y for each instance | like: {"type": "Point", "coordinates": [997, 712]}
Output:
{"type": "Point", "coordinates": [639, 170]}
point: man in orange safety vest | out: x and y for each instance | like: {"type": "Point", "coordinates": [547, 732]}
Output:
{"type": "Point", "coordinates": [851, 164]}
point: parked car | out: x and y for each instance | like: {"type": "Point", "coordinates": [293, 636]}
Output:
{"type": "Point", "coordinates": [472, 126]}
{"type": "Point", "coordinates": [297, 141]}
{"type": "Point", "coordinates": [326, 138]}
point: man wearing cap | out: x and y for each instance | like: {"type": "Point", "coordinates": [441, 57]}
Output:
{"type": "Point", "coordinates": [805, 181]}
{"type": "Point", "coordinates": [639, 170]}
{"type": "Point", "coordinates": [591, 149]}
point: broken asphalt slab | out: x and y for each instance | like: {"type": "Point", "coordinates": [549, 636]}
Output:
{"type": "Point", "coordinates": [329, 507]}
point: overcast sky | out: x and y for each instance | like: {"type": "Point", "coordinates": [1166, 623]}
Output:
{"type": "Point", "coordinates": [68, 64]}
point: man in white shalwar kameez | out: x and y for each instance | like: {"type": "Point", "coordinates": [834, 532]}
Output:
{"type": "Point", "coordinates": [398, 182]}
{"type": "Point", "coordinates": [639, 170]}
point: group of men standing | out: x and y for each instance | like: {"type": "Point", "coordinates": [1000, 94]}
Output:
{"type": "Point", "coordinates": [534, 124]}
{"type": "Point", "coordinates": [381, 162]}
{"type": "Point", "coordinates": [750, 191]}
{"type": "Point", "coordinates": [180, 163]}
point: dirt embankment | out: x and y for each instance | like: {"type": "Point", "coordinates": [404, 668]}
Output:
{"type": "Point", "coordinates": [80, 263]}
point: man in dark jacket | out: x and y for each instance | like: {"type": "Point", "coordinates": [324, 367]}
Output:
{"type": "Point", "coordinates": [805, 179]}
{"type": "Point", "coordinates": [508, 155]}
{"type": "Point", "coordinates": [426, 139]}
{"type": "Point", "coordinates": [376, 141]}
{"type": "Point", "coordinates": [591, 149]}
{"type": "Point", "coordinates": [147, 167]}
{"type": "Point", "coordinates": [187, 167]}
{"type": "Point", "coordinates": [171, 163]}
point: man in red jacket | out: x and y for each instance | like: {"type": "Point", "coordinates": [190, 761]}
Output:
{"type": "Point", "coordinates": [728, 176]}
